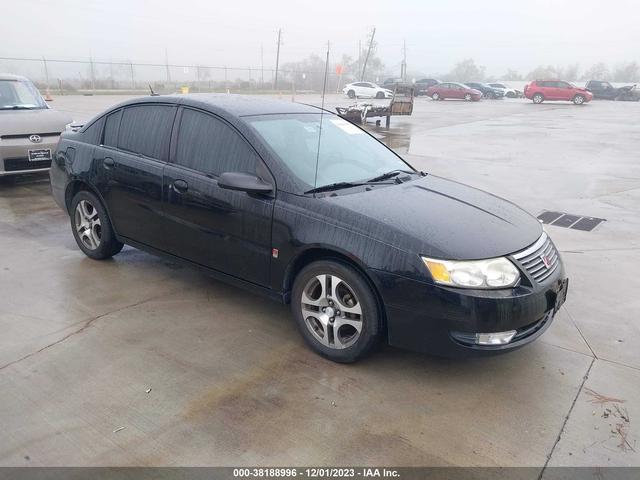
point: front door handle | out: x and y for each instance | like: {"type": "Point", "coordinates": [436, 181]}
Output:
{"type": "Point", "coordinates": [180, 186]}
{"type": "Point", "coordinates": [108, 162]}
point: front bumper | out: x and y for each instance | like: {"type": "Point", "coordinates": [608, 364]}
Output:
{"type": "Point", "coordinates": [443, 321]}
{"type": "Point", "coordinates": [14, 155]}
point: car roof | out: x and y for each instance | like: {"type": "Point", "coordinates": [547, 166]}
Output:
{"type": "Point", "coordinates": [236, 105]}
{"type": "Point", "coordinates": [9, 76]}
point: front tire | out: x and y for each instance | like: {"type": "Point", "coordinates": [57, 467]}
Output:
{"type": "Point", "coordinates": [467, 97]}
{"type": "Point", "coordinates": [578, 99]}
{"type": "Point", "coordinates": [351, 94]}
{"type": "Point", "coordinates": [336, 311]}
{"type": "Point", "coordinates": [380, 95]}
{"type": "Point", "coordinates": [538, 98]}
{"type": "Point", "coordinates": [490, 95]}
{"type": "Point", "coordinates": [91, 227]}
{"type": "Point", "coordinates": [435, 96]}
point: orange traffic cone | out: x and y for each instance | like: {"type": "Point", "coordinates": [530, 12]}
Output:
{"type": "Point", "coordinates": [47, 96]}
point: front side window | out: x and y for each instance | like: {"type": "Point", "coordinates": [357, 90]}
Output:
{"type": "Point", "coordinates": [20, 95]}
{"type": "Point", "coordinates": [344, 152]}
{"type": "Point", "coordinates": [209, 145]}
{"type": "Point", "coordinates": [146, 130]}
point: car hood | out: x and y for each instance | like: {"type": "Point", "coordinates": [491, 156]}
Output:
{"type": "Point", "coordinates": [441, 218]}
{"type": "Point", "coordinates": [475, 90]}
{"type": "Point", "coordinates": [20, 122]}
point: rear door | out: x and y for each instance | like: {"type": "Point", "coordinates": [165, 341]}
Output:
{"type": "Point", "coordinates": [226, 230]}
{"type": "Point", "coordinates": [131, 158]}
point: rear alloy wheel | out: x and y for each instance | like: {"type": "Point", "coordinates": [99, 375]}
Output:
{"type": "Point", "coordinates": [578, 99]}
{"type": "Point", "coordinates": [380, 95]}
{"type": "Point", "coordinates": [91, 227]}
{"type": "Point", "coordinates": [467, 97]}
{"type": "Point", "coordinates": [351, 94]}
{"type": "Point", "coordinates": [435, 96]}
{"type": "Point", "coordinates": [490, 95]}
{"type": "Point", "coordinates": [538, 98]}
{"type": "Point", "coordinates": [336, 310]}
{"type": "Point", "coordinates": [510, 95]}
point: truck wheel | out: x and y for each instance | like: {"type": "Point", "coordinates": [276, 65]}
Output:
{"type": "Point", "coordinates": [538, 98]}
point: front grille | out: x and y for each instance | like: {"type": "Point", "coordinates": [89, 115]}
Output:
{"type": "Point", "coordinates": [23, 163]}
{"type": "Point", "coordinates": [539, 260]}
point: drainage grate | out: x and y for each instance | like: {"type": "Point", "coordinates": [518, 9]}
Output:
{"type": "Point", "coordinates": [566, 220]}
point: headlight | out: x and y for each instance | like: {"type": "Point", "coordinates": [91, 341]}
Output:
{"type": "Point", "coordinates": [490, 273]}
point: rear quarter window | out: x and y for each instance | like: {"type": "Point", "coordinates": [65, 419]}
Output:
{"type": "Point", "coordinates": [93, 133]}
{"type": "Point", "coordinates": [112, 123]}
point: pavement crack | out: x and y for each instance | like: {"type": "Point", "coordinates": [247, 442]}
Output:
{"type": "Point", "coordinates": [579, 331]}
{"type": "Point", "coordinates": [566, 418]}
{"type": "Point", "coordinates": [85, 325]}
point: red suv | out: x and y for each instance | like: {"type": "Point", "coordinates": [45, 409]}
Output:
{"type": "Point", "coordinates": [541, 90]}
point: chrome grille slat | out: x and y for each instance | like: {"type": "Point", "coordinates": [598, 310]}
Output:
{"type": "Point", "coordinates": [531, 258]}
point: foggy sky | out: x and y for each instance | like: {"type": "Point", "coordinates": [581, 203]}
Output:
{"type": "Point", "coordinates": [517, 34]}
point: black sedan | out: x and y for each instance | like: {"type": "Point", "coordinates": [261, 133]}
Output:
{"type": "Point", "coordinates": [487, 90]}
{"type": "Point", "coordinates": [300, 205]}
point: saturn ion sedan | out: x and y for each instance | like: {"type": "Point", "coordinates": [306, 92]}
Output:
{"type": "Point", "coordinates": [298, 204]}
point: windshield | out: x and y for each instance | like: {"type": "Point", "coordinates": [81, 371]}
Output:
{"type": "Point", "coordinates": [347, 153]}
{"type": "Point", "coordinates": [16, 94]}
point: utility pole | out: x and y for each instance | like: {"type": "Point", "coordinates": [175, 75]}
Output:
{"type": "Point", "coordinates": [403, 68]}
{"type": "Point", "coordinates": [261, 66]}
{"type": "Point", "coordinates": [366, 59]}
{"type": "Point", "coordinates": [93, 76]}
{"type": "Point", "coordinates": [166, 64]}
{"type": "Point", "coordinates": [133, 81]}
{"type": "Point", "coordinates": [46, 71]}
{"type": "Point", "coordinates": [275, 82]}
{"type": "Point", "coordinates": [359, 56]}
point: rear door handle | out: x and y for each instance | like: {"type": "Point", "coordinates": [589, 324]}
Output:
{"type": "Point", "coordinates": [108, 162]}
{"type": "Point", "coordinates": [180, 186]}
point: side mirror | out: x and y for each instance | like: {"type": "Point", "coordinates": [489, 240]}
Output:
{"type": "Point", "coordinates": [243, 182]}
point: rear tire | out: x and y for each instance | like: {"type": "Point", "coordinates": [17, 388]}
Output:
{"type": "Point", "coordinates": [578, 99]}
{"type": "Point", "coordinates": [351, 94]}
{"type": "Point", "coordinates": [336, 310]}
{"type": "Point", "coordinates": [490, 95]}
{"type": "Point", "coordinates": [92, 228]}
{"type": "Point", "coordinates": [380, 95]}
{"type": "Point", "coordinates": [435, 96]}
{"type": "Point", "coordinates": [538, 98]}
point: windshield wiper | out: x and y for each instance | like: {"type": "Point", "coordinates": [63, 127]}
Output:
{"type": "Point", "coordinates": [391, 174]}
{"type": "Point", "coordinates": [334, 186]}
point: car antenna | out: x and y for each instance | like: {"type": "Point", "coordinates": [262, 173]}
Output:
{"type": "Point", "coordinates": [324, 90]}
{"type": "Point", "coordinates": [153, 94]}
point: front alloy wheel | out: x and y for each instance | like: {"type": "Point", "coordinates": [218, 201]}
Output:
{"type": "Point", "coordinates": [467, 97]}
{"type": "Point", "coordinates": [578, 99]}
{"type": "Point", "coordinates": [336, 310]}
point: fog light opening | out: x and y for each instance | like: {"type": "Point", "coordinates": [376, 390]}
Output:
{"type": "Point", "coordinates": [495, 338]}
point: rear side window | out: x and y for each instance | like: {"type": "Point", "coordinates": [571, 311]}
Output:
{"type": "Point", "coordinates": [146, 130]}
{"type": "Point", "coordinates": [209, 145]}
{"type": "Point", "coordinates": [111, 125]}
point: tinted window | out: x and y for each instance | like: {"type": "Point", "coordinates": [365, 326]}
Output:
{"type": "Point", "coordinates": [209, 145]}
{"type": "Point", "coordinates": [92, 133]}
{"type": "Point", "coordinates": [146, 129]}
{"type": "Point", "coordinates": [111, 129]}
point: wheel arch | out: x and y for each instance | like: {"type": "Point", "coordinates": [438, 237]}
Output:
{"type": "Point", "coordinates": [76, 186]}
{"type": "Point", "coordinates": [316, 253]}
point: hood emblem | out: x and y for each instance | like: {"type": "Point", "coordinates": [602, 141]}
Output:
{"type": "Point", "coordinates": [546, 260]}
{"type": "Point", "coordinates": [35, 138]}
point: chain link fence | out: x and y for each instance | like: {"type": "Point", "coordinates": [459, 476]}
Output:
{"type": "Point", "coordinates": [65, 77]}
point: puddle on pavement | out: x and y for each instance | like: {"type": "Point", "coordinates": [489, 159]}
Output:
{"type": "Point", "coordinates": [397, 138]}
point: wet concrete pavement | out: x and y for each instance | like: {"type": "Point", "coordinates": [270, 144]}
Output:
{"type": "Point", "coordinates": [232, 382]}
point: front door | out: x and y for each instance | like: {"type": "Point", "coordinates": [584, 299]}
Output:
{"type": "Point", "coordinates": [226, 230]}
